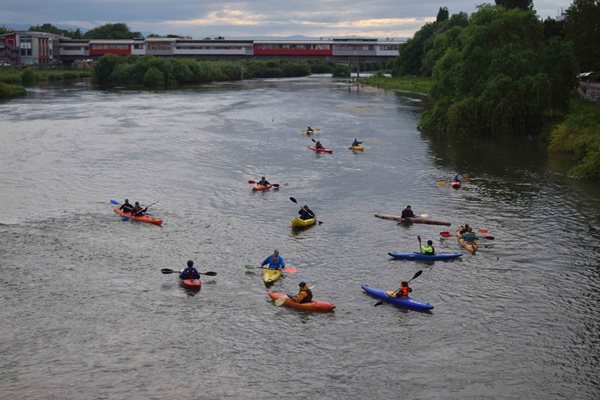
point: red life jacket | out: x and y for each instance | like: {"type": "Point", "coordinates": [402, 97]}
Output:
{"type": "Point", "coordinates": [404, 291]}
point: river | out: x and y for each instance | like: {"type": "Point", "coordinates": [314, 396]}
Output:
{"type": "Point", "coordinates": [86, 312]}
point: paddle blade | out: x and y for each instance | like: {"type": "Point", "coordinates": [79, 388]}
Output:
{"type": "Point", "coordinates": [419, 272]}
{"type": "Point", "coordinates": [290, 270]}
{"type": "Point", "coordinates": [488, 237]}
{"type": "Point", "coordinates": [293, 200]}
{"type": "Point", "coordinates": [251, 182]}
{"type": "Point", "coordinates": [275, 185]}
{"type": "Point", "coordinates": [125, 219]}
{"type": "Point", "coordinates": [378, 303]}
{"type": "Point", "coordinates": [445, 234]}
{"type": "Point", "coordinates": [424, 215]}
{"type": "Point", "coordinates": [167, 271]}
{"type": "Point", "coordinates": [313, 140]}
{"type": "Point", "coordinates": [442, 182]}
{"type": "Point", "coordinates": [114, 202]}
{"type": "Point", "coordinates": [280, 301]}
{"type": "Point", "coordinates": [249, 266]}
{"type": "Point", "coordinates": [483, 231]}
{"type": "Point", "coordinates": [209, 273]}
{"type": "Point", "coordinates": [320, 222]}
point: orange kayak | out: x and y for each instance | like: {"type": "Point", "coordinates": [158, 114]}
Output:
{"type": "Point", "coordinates": [262, 187]}
{"type": "Point", "coordinates": [470, 245]}
{"type": "Point", "coordinates": [321, 306]}
{"type": "Point", "coordinates": [191, 284]}
{"type": "Point", "coordinates": [141, 218]}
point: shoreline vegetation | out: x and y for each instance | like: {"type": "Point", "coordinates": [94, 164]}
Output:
{"type": "Point", "coordinates": [574, 132]}
{"type": "Point", "coordinates": [14, 81]}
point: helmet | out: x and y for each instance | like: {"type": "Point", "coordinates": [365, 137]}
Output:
{"type": "Point", "coordinates": [302, 284]}
{"type": "Point", "coordinates": [190, 263]}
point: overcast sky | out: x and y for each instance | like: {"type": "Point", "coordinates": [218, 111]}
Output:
{"type": "Point", "coordinates": [201, 18]}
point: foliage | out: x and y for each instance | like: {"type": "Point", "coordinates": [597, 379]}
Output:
{"type": "Point", "coordinates": [442, 14]}
{"type": "Point", "coordinates": [4, 29]}
{"type": "Point", "coordinates": [579, 134]}
{"type": "Point", "coordinates": [522, 4]}
{"type": "Point", "coordinates": [112, 31]}
{"type": "Point", "coordinates": [498, 76]}
{"type": "Point", "coordinates": [554, 28]}
{"type": "Point", "coordinates": [133, 70]}
{"type": "Point", "coordinates": [28, 77]}
{"type": "Point", "coordinates": [8, 91]}
{"type": "Point", "coordinates": [405, 84]}
{"type": "Point", "coordinates": [583, 30]}
{"type": "Point", "coordinates": [340, 71]}
{"type": "Point", "coordinates": [49, 28]}
{"type": "Point", "coordinates": [44, 75]}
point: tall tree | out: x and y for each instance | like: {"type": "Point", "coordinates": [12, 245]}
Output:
{"type": "Point", "coordinates": [522, 4]}
{"type": "Point", "coordinates": [111, 31]}
{"type": "Point", "coordinates": [442, 15]}
{"type": "Point", "coordinates": [583, 30]}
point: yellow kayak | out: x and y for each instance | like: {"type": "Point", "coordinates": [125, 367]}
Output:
{"type": "Point", "coordinates": [302, 223]}
{"type": "Point", "coordinates": [270, 276]}
{"type": "Point", "coordinates": [360, 147]}
{"type": "Point", "coordinates": [470, 246]}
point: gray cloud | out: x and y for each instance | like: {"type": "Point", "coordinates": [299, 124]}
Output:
{"type": "Point", "coordinates": [380, 18]}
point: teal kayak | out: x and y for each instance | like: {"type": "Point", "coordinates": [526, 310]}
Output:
{"type": "Point", "coordinates": [405, 302]}
{"type": "Point", "coordinates": [425, 257]}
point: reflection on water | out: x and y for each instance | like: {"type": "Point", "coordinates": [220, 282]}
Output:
{"type": "Point", "coordinates": [87, 303]}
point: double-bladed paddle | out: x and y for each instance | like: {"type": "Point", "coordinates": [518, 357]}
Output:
{"type": "Point", "coordinates": [275, 185]}
{"type": "Point", "coordinates": [447, 235]}
{"type": "Point", "coordinates": [170, 271]}
{"type": "Point", "coordinates": [314, 216]}
{"type": "Point", "coordinates": [291, 270]}
{"type": "Point", "coordinates": [419, 272]}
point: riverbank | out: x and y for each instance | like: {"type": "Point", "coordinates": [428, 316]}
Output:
{"type": "Point", "coordinates": [13, 81]}
{"type": "Point", "coordinates": [575, 133]}
{"type": "Point", "coordinates": [10, 91]}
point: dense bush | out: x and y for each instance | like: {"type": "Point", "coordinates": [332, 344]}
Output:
{"type": "Point", "coordinates": [28, 77]}
{"type": "Point", "coordinates": [8, 91]}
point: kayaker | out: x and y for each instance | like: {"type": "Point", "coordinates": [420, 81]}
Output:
{"type": "Point", "coordinates": [126, 207]}
{"type": "Point", "coordinates": [403, 291]}
{"type": "Point", "coordinates": [467, 233]}
{"type": "Point", "coordinates": [304, 295]}
{"type": "Point", "coordinates": [309, 130]}
{"type": "Point", "coordinates": [465, 229]}
{"type": "Point", "coordinates": [407, 213]}
{"type": "Point", "coordinates": [263, 182]}
{"type": "Point", "coordinates": [456, 178]}
{"type": "Point", "coordinates": [356, 143]}
{"type": "Point", "coordinates": [274, 261]}
{"type": "Point", "coordinates": [306, 213]}
{"type": "Point", "coordinates": [428, 250]}
{"type": "Point", "coordinates": [318, 145]}
{"type": "Point", "coordinates": [138, 210]}
{"type": "Point", "coordinates": [190, 272]}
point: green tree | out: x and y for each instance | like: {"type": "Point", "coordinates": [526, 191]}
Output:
{"type": "Point", "coordinates": [500, 78]}
{"type": "Point", "coordinates": [4, 29]}
{"type": "Point", "coordinates": [442, 15]}
{"type": "Point", "coordinates": [554, 28]}
{"type": "Point", "coordinates": [154, 78]}
{"type": "Point", "coordinates": [111, 31]}
{"type": "Point", "coordinates": [522, 4]}
{"type": "Point", "coordinates": [583, 30]}
{"type": "Point", "coordinates": [28, 77]}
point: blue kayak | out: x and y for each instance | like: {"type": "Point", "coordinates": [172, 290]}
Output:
{"type": "Point", "coordinates": [405, 302]}
{"type": "Point", "coordinates": [424, 257]}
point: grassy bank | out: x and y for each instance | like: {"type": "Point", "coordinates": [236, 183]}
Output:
{"type": "Point", "coordinates": [9, 91]}
{"type": "Point", "coordinates": [404, 84]}
{"type": "Point", "coordinates": [14, 76]}
{"type": "Point", "coordinates": [579, 135]}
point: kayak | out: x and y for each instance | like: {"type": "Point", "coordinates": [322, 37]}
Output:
{"type": "Point", "coordinates": [321, 306]}
{"type": "Point", "coordinates": [360, 147]}
{"type": "Point", "coordinates": [455, 184]}
{"type": "Point", "coordinates": [191, 284]}
{"type": "Point", "coordinates": [262, 187]}
{"type": "Point", "coordinates": [414, 220]}
{"type": "Point", "coordinates": [470, 245]}
{"type": "Point", "coordinates": [405, 302]}
{"type": "Point", "coordinates": [425, 257]}
{"type": "Point", "coordinates": [321, 150]}
{"type": "Point", "coordinates": [303, 223]}
{"type": "Point", "coordinates": [270, 276]}
{"type": "Point", "coordinates": [141, 218]}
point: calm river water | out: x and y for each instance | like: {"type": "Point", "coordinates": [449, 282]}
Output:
{"type": "Point", "coordinates": [86, 314]}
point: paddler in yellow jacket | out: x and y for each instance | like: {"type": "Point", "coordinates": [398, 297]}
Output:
{"type": "Point", "coordinates": [304, 295]}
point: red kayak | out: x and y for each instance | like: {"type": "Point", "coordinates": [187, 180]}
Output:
{"type": "Point", "coordinates": [455, 184]}
{"type": "Point", "coordinates": [321, 150]}
{"type": "Point", "coordinates": [262, 187]}
{"type": "Point", "coordinates": [191, 284]}
{"type": "Point", "coordinates": [321, 306]}
{"type": "Point", "coordinates": [141, 218]}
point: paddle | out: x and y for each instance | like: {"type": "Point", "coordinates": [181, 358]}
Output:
{"type": "Point", "coordinates": [291, 270]}
{"type": "Point", "coordinates": [442, 182]}
{"type": "Point", "coordinates": [295, 201]}
{"type": "Point", "coordinates": [419, 239]}
{"type": "Point", "coordinates": [281, 301]}
{"type": "Point", "coordinates": [419, 272]}
{"type": "Point", "coordinates": [448, 235]}
{"type": "Point", "coordinates": [170, 271]}
{"type": "Point", "coordinates": [272, 184]}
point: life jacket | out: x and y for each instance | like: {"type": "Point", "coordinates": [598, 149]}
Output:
{"type": "Point", "coordinates": [426, 249]}
{"type": "Point", "coordinates": [307, 295]}
{"type": "Point", "coordinates": [404, 291]}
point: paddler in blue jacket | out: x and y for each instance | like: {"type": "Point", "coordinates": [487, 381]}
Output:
{"type": "Point", "coordinates": [356, 143]}
{"type": "Point", "coordinates": [274, 261]}
{"type": "Point", "coordinates": [306, 213]}
{"type": "Point", "coordinates": [190, 272]}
